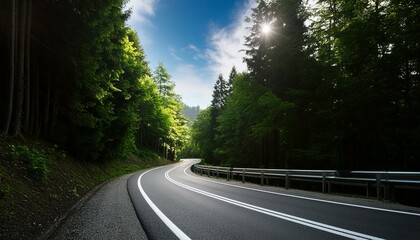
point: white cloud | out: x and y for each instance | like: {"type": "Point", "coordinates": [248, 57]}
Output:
{"type": "Point", "coordinates": [195, 84]}
{"type": "Point", "coordinates": [192, 47]}
{"type": "Point", "coordinates": [227, 44]}
{"type": "Point", "coordinates": [192, 85]}
{"type": "Point", "coordinates": [173, 53]}
{"type": "Point", "coordinates": [141, 10]}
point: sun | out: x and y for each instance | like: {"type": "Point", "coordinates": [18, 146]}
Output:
{"type": "Point", "coordinates": [265, 28]}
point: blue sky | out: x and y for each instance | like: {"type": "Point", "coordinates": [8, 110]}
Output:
{"type": "Point", "coordinates": [196, 40]}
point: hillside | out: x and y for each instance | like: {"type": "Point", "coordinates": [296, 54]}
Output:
{"type": "Point", "coordinates": [39, 183]}
{"type": "Point", "coordinates": [191, 112]}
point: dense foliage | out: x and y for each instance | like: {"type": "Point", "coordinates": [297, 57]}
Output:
{"type": "Point", "coordinates": [77, 75]}
{"type": "Point", "coordinates": [330, 85]}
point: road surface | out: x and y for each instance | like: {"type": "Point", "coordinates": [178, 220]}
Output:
{"type": "Point", "coordinates": [108, 214]}
{"type": "Point", "coordinates": [172, 202]}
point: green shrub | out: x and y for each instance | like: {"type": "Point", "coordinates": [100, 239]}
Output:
{"type": "Point", "coordinates": [37, 160]}
{"type": "Point", "coordinates": [3, 137]}
{"type": "Point", "coordinates": [54, 153]}
{"type": "Point", "coordinates": [61, 155]}
{"type": "Point", "coordinates": [19, 152]}
{"type": "Point", "coordinates": [38, 166]}
{"type": "Point", "coordinates": [52, 149]}
{"type": "Point", "coordinates": [4, 191]}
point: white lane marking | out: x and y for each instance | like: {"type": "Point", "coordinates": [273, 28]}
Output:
{"type": "Point", "coordinates": [178, 232]}
{"type": "Point", "coordinates": [306, 198]}
{"type": "Point", "coordinates": [306, 222]}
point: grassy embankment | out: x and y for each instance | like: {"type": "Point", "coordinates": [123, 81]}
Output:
{"type": "Point", "coordinates": [39, 183]}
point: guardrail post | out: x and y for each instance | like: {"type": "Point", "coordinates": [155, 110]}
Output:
{"type": "Point", "coordinates": [262, 178]}
{"type": "Point", "coordinates": [217, 173]}
{"type": "Point", "coordinates": [287, 183]}
{"type": "Point", "coordinates": [378, 186]}
{"type": "Point", "coordinates": [208, 171]}
{"type": "Point", "coordinates": [367, 188]}
{"type": "Point", "coordinates": [386, 187]}
{"type": "Point", "coordinates": [227, 174]}
{"type": "Point", "coordinates": [324, 175]}
{"type": "Point", "coordinates": [243, 175]}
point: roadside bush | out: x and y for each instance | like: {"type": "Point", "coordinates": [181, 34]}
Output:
{"type": "Point", "coordinates": [54, 153]}
{"type": "Point", "coordinates": [37, 160]}
{"type": "Point", "coordinates": [4, 189]}
{"type": "Point", "coordinates": [19, 152]}
{"type": "Point", "coordinates": [38, 165]}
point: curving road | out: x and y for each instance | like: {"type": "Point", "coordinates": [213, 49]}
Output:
{"type": "Point", "coordinates": [172, 202]}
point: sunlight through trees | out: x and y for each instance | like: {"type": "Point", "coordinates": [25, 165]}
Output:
{"type": "Point", "coordinates": [337, 86]}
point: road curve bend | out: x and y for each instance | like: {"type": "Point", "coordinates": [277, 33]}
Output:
{"type": "Point", "coordinates": [173, 203]}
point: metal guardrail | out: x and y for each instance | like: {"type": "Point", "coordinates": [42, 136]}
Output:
{"type": "Point", "coordinates": [383, 181]}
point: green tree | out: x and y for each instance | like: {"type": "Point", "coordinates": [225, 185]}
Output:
{"type": "Point", "coordinates": [339, 92]}
{"type": "Point", "coordinates": [220, 93]}
{"type": "Point", "coordinates": [237, 145]}
{"type": "Point", "coordinates": [202, 135]}
{"type": "Point", "coordinates": [362, 73]}
{"type": "Point", "coordinates": [232, 76]}
{"type": "Point", "coordinates": [163, 80]}
{"type": "Point", "coordinates": [277, 60]}
{"type": "Point", "coordinates": [127, 99]}
{"type": "Point", "coordinates": [98, 68]}
{"type": "Point", "coordinates": [162, 126]}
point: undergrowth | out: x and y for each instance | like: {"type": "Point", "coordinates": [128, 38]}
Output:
{"type": "Point", "coordinates": [36, 159]}
{"type": "Point", "coordinates": [39, 182]}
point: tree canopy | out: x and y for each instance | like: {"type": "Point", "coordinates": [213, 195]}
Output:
{"type": "Point", "coordinates": [333, 84]}
{"type": "Point", "coordinates": [78, 76]}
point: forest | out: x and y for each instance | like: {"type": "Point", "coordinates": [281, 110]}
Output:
{"type": "Point", "coordinates": [334, 84]}
{"type": "Point", "coordinates": [75, 74]}
{"type": "Point", "coordinates": [191, 112]}
{"type": "Point", "coordinates": [331, 85]}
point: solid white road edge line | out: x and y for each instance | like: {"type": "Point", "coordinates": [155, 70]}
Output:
{"type": "Point", "coordinates": [178, 232]}
{"type": "Point", "coordinates": [306, 222]}
{"type": "Point", "coordinates": [306, 198]}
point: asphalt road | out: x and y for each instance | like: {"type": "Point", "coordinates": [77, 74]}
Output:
{"type": "Point", "coordinates": [172, 202]}
{"type": "Point", "coordinates": [108, 214]}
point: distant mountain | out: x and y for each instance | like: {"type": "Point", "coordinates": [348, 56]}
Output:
{"type": "Point", "coordinates": [191, 112]}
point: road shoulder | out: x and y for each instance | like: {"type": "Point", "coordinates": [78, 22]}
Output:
{"type": "Point", "coordinates": [108, 214]}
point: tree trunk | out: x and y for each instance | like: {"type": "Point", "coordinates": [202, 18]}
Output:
{"type": "Point", "coordinates": [21, 77]}
{"type": "Point", "coordinates": [12, 67]}
{"type": "Point", "coordinates": [35, 75]}
{"type": "Point", "coordinates": [48, 101]}
{"type": "Point", "coordinates": [37, 124]}
{"type": "Point", "coordinates": [27, 67]}
{"type": "Point", "coordinates": [55, 107]}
